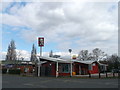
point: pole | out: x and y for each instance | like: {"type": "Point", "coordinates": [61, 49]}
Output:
{"type": "Point", "coordinates": [89, 75]}
{"type": "Point", "coordinates": [99, 71]}
{"type": "Point", "coordinates": [71, 69]}
{"type": "Point", "coordinates": [70, 50]}
{"type": "Point", "coordinates": [106, 74]}
{"type": "Point", "coordinates": [118, 74]}
{"type": "Point", "coordinates": [39, 67]}
{"type": "Point", "coordinates": [57, 69]}
{"type": "Point", "coordinates": [39, 64]}
{"type": "Point", "coordinates": [71, 65]}
{"type": "Point", "coordinates": [40, 51]}
{"type": "Point", "coordinates": [99, 75]}
{"type": "Point", "coordinates": [113, 74]}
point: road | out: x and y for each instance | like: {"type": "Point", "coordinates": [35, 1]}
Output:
{"type": "Point", "coordinates": [15, 81]}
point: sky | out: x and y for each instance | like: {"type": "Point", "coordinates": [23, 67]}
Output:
{"type": "Point", "coordinates": [64, 25]}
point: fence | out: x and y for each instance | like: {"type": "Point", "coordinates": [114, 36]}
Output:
{"type": "Point", "coordinates": [100, 75]}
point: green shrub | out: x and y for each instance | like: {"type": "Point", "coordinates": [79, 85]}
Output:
{"type": "Point", "coordinates": [14, 71]}
{"type": "Point", "coordinates": [4, 71]}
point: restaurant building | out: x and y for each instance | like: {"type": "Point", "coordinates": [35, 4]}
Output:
{"type": "Point", "coordinates": [60, 67]}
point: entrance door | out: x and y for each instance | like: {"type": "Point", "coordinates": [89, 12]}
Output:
{"type": "Point", "coordinates": [48, 70]}
{"type": "Point", "coordinates": [45, 71]}
{"type": "Point", "coordinates": [82, 70]}
{"type": "Point", "coordinates": [42, 73]}
{"type": "Point", "coordinates": [77, 69]}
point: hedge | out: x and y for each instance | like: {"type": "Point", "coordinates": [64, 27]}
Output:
{"type": "Point", "coordinates": [14, 71]}
{"type": "Point", "coordinates": [4, 71]}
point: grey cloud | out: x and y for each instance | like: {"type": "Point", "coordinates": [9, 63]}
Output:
{"type": "Point", "coordinates": [89, 22]}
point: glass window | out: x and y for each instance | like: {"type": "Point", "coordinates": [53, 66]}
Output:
{"type": "Point", "coordinates": [90, 67]}
{"type": "Point", "coordinates": [64, 68]}
{"type": "Point", "coordinates": [93, 64]}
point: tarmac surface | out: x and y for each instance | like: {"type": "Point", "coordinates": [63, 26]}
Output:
{"type": "Point", "coordinates": [16, 81]}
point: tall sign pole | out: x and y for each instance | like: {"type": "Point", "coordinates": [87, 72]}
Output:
{"type": "Point", "coordinates": [40, 51]}
{"type": "Point", "coordinates": [41, 44]}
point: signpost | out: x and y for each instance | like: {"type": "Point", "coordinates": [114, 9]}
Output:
{"type": "Point", "coordinates": [40, 44]}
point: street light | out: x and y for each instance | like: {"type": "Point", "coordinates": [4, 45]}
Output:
{"type": "Point", "coordinates": [70, 50]}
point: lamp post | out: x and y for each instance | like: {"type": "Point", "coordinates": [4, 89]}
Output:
{"type": "Point", "coordinates": [70, 50]}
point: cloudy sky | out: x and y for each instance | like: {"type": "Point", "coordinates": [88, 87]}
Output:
{"type": "Point", "coordinates": [64, 25]}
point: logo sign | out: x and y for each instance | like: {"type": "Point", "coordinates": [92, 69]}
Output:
{"type": "Point", "coordinates": [41, 41]}
{"type": "Point", "coordinates": [70, 50]}
{"type": "Point", "coordinates": [74, 57]}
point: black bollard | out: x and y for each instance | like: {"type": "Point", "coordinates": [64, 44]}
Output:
{"type": "Point", "coordinates": [89, 75]}
{"type": "Point", "coordinates": [99, 75]}
{"type": "Point", "coordinates": [118, 74]}
{"type": "Point", "coordinates": [113, 74]}
{"type": "Point", "coordinates": [106, 74]}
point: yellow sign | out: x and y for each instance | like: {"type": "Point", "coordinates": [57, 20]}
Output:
{"type": "Point", "coordinates": [74, 57]}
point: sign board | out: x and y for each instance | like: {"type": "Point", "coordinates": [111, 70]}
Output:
{"type": "Point", "coordinates": [74, 57]}
{"type": "Point", "coordinates": [41, 41]}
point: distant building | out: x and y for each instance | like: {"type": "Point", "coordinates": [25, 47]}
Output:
{"type": "Point", "coordinates": [24, 66]}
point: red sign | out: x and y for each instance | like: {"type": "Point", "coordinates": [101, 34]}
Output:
{"type": "Point", "coordinates": [41, 41]}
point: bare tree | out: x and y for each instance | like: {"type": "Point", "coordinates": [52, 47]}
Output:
{"type": "Point", "coordinates": [56, 56]}
{"type": "Point", "coordinates": [98, 54]}
{"type": "Point", "coordinates": [22, 58]}
{"type": "Point", "coordinates": [90, 56]}
{"type": "Point", "coordinates": [83, 55]}
{"type": "Point", "coordinates": [114, 62]}
{"type": "Point", "coordinates": [51, 54]}
{"type": "Point", "coordinates": [11, 53]}
{"type": "Point", "coordinates": [19, 55]}
{"type": "Point", "coordinates": [33, 54]}
{"type": "Point", "coordinates": [8, 53]}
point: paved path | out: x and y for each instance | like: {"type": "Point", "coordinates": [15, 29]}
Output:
{"type": "Point", "coordinates": [14, 81]}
